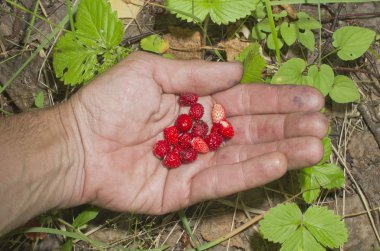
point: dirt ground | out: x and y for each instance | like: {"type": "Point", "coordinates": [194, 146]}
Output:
{"type": "Point", "coordinates": [355, 133]}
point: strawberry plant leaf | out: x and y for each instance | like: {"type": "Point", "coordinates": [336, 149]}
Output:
{"type": "Point", "coordinates": [352, 42]}
{"type": "Point", "coordinates": [281, 222]}
{"type": "Point", "coordinates": [253, 63]}
{"type": "Point", "coordinates": [154, 43]}
{"type": "Point", "coordinates": [329, 176]}
{"type": "Point", "coordinates": [344, 90]}
{"type": "Point", "coordinates": [220, 11]}
{"type": "Point", "coordinates": [323, 78]}
{"type": "Point", "coordinates": [305, 22]}
{"type": "Point", "coordinates": [327, 149]}
{"type": "Point", "coordinates": [79, 56]}
{"type": "Point", "coordinates": [307, 39]}
{"type": "Point", "coordinates": [309, 185]}
{"type": "Point", "coordinates": [289, 33]}
{"type": "Point", "coordinates": [326, 227]}
{"type": "Point", "coordinates": [291, 72]}
{"type": "Point", "coordinates": [301, 240]}
{"type": "Point", "coordinates": [85, 216]}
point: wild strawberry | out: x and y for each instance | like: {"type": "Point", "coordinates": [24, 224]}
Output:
{"type": "Point", "coordinates": [199, 145]}
{"type": "Point", "coordinates": [215, 128]}
{"type": "Point", "coordinates": [172, 160]}
{"type": "Point", "coordinates": [161, 148]}
{"type": "Point", "coordinates": [176, 149]}
{"type": "Point", "coordinates": [200, 129]}
{"type": "Point", "coordinates": [171, 135]}
{"type": "Point", "coordinates": [184, 140]}
{"type": "Point", "coordinates": [214, 140]}
{"type": "Point", "coordinates": [196, 111]}
{"type": "Point", "coordinates": [188, 155]}
{"type": "Point", "coordinates": [226, 129]}
{"type": "Point", "coordinates": [187, 99]}
{"type": "Point", "coordinates": [218, 113]}
{"type": "Point", "coordinates": [184, 123]}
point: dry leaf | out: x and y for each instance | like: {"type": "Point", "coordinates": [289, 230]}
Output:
{"type": "Point", "coordinates": [128, 8]}
{"type": "Point", "coordinates": [233, 48]}
{"type": "Point", "coordinates": [184, 43]}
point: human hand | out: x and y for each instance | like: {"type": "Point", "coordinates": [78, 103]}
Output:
{"type": "Point", "coordinates": [121, 114]}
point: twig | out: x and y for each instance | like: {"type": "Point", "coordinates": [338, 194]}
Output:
{"type": "Point", "coordinates": [369, 116]}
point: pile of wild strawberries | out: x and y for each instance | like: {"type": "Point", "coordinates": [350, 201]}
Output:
{"type": "Point", "coordinates": [190, 134]}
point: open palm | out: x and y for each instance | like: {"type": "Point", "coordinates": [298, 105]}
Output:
{"type": "Point", "coordinates": [123, 113]}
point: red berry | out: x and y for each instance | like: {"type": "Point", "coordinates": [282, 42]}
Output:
{"type": "Point", "coordinates": [215, 128]}
{"type": "Point", "coordinates": [184, 123]}
{"type": "Point", "coordinates": [218, 113]}
{"type": "Point", "coordinates": [188, 155]}
{"type": "Point", "coordinates": [172, 160]}
{"type": "Point", "coordinates": [226, 129]}
{"type": "Point", "coordinates": [185, 140]}
{"type": "Point", "coordinates": [171, 135]}
{"type": "Point", "coordinates": [196, 111]}
{"type": "Point", "coordinates": [199, 145]}
{"type": "Point", "coordinates": [214, 140]}
{"type": "Point", "coordinates": [200, 129]}
{"type": "Point", "coordinates": [177, 149]}
{"type": "Point", "coordinates": [161, 148]}
{"type": "Point", "coordinates": [187, 99]}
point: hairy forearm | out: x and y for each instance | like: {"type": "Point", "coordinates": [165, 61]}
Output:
{"type": "Point", "coordinates": [38, 164]}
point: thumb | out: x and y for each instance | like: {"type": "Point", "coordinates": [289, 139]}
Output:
{"type": "Point", "coordinates": [198, 76]}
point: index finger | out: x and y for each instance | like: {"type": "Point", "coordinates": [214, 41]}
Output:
{"type": "Point", "coordinates": [246, 99]}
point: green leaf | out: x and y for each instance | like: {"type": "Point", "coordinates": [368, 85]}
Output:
{"type": "Point", "coordinates": [329, 176]}
{"type": "Point", "coordinates": [97, 21]}
{"type": "Point", "coordinates": [307, 39]}
{"type": "Point", "coordinates": [326, 227]}
{"type": "Point", "coordinates": [309, 185]}
{"type": "Point", "coordinates": [305, 22]}
{"type": "Point", "coordinates": [291, 72]}
{"type": "Point", "coordinates": [39, 100]}
{"type": "Point", "coordinates": [253, 63]}
{"type": "Point", "coordinates": [270, 42]}
{"type": "Point", "coordinates": [344, 90]}
{"type": "Point", "coordinates": [264, 25]}
{"type": "Point", "coordinates": [327, 149]}
{"type": "Point", "coordinates": [281, 222]}
{"type": "Point", "coordinates": [301, 240]}
{"type": "Point", "coordinates": [68, 246]}
{"type": "Point", "coordinates": [84, 217]}
{"type": "Point", "coordinates": [220, 11]}
{"type": "Point", "coordinates": [257, 33]}
{"type": "Point", "coordinates": [154, 43]}
{"type": "Point", "coordinates": [79, 56]}
{"type": "Point", "coordinates": [323, 79]}
{"type": "Point", "coordinates": [352, 42]}
{"type": "Point", "coordinates": [259, 12]}
{"type": "Point", "coordinates": [280, 15]}
{"type": "Point", "coordinates": [289, 32]}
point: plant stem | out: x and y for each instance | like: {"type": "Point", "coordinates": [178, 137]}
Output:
{"type": "Point", "coordinates": [320, 35]}
{"type": "Point", "coordinates": [205, 35]}
{"type": "Point", "coordinates": [32, 22]}
{"type": "Point", "coordinates": [273, 31]}
{"type": "Point", "coordinates": [70, 14]}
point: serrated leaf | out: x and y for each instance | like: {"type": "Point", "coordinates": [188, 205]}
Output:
{"type": "Point", "coordinates": [323, 78]}
{"type": "Point", "coordinates": [79, 56]}
{"type": "Point", "coordinates": [301, 240]}
{"type": "Point", "coordinates": [309, 185]}
{"type": "Point", "coordinates": [329, 176]}
{"type": "Point", "coordinates": [39, 100]}
{"type": "Point", "coordinates": [270, 42]}
{"type": "Point", "coordinates": [305, 22]}
{"type": "Point", "coordinates": [154, 43]}
{"type": "Point", "coordinates": [291, 72]}
{"type": "Point", "coordinates": [85, 216]}
{"type": "Point", "coordinates": [220, 11]}
{"type": "Point", "coordinates": [96, 20]}
{"type": "Point", "coordinates": [289, 32]}
{"type": "Point", "coordinates": [253, 63]}
{"type": "Point", "coordinates": [352, 42]}
{"type": "Point", "coordinates": [344, 90]}
{"type": "Point", "coordinates": [281, 222]}
{"type": "Point", "coordinates": [327, 149]}
{"type": "Point", "coordinates": [307, 39]}
{"type": "Point", "coordinates": [326, 227]}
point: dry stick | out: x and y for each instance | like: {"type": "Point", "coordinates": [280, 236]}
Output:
{"type": "Point", "coordinates": [347, 69]}
{"type": "Point", "coordinates": [365, 111]}
{"type": "Point", "coordinates": [361, 194]}
{"type": "Point", "coordinates": [354, 16]}
{"type": "Point", "coordinates": [360, 213]}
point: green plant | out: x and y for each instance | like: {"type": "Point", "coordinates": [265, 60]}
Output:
{"type": "Point", "coordinates": [94, 45]}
